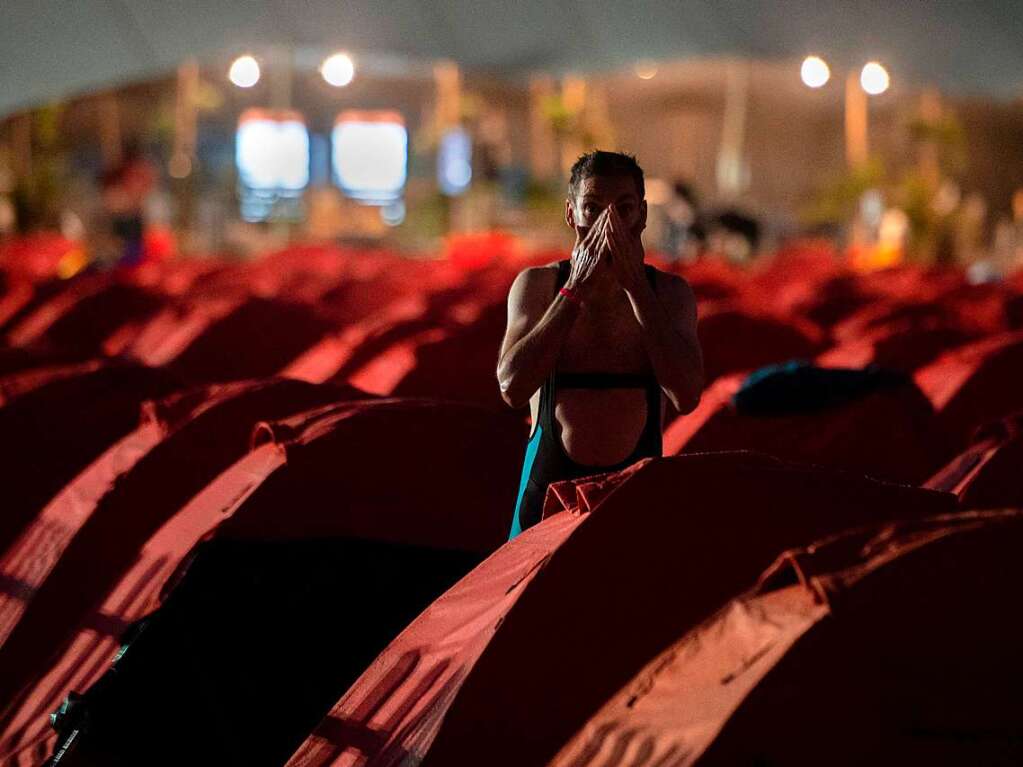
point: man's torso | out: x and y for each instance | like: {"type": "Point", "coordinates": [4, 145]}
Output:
{"type": "Point", "coordinates": [601, 427]}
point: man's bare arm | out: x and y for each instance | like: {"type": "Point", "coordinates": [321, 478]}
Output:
{"type": "Point", "coordinates": [537, 330]}
{"type": "Point", "coordinates": [668, 321]}
{"type": "Point", "coordinates": [538, 326]}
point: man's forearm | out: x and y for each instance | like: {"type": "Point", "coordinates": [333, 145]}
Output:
{"type": "Point", "coordinates": [677, 361]}
{"type": "Point", "coordinates": [523, 368]}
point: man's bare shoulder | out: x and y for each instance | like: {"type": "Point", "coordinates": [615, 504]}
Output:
{"type": "Point", "coordinates": [673, 284]}
{"type": "Point", "coordinates": [535, 278]}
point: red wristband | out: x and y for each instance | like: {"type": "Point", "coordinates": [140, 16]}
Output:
{"type": "Point", "coordinates": [571, 295]}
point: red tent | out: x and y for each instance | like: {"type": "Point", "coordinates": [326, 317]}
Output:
{"type": "Point", "coordinates": [890, 434]}
{"type": "Point", "coordinates": [735, 338]}
{"type": "Point", "coordinates": [975, 384]}
{"type": "Point", "coordinates": [986, 474]}
{"type": "Point", "coordinates": [341, 525]}
{"type": "Point", "coordinates": [73, 553]}
{"type": "Point", "coordinates": [35, 256]}
{"type": "Point", "coordinates": [13, 385]}
{"type": "Point", "coordinates": [56, 430]}
{"type": "Point", "coordinates": [87, 312]}
{"type": "Point", "coordinates": [901, 345]}
{"type": "Point", "coordinates": [579, 603]}
{"type": "Point", "coordinates": [883, 646]}
{"type": "Point", "coordinates": [711, 279]}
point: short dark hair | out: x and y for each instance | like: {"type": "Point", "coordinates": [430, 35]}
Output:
{"type": "Point", "coordinates": [599, 163]}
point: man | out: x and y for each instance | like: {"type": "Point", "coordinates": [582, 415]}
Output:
{"type": "Point", "coordinates": [126, 188]}
{"type": "Point", "coordinates": [592, 342]}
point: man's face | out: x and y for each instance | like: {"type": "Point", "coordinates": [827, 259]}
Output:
{"type": "Point", "coordinates": [596, 193]}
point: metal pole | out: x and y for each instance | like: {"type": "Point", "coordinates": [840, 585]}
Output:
{"type": "Point", "coordinates": [856, 121]}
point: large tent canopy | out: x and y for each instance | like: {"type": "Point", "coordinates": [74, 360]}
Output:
{"type": "Point", "coordinates": [51, 49]}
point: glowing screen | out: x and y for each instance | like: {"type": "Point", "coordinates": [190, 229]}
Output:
{"type": "Point", "coordinates": [370, 157]}
{"type": "Point", "coordinates": [273, 154]}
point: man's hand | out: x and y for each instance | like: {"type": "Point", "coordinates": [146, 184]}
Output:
{"type": "Point", "coordinates": [587, 254]}
{"type": "Point", "coordinates": [626, 250]}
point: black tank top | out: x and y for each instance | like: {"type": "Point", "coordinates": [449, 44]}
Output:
{"type": "Point", "coordinates": [546, 459]}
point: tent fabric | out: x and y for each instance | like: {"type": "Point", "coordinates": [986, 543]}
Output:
{"type": "Point", "coordinates": [891, 434]}
{"type": "Point", "coordinates": [833, 658]}
{"type": "Point", "coordinates": [247, 629]}
{"type": "Point", "coordinates": [830, 301]}
{"type": "Point", "coordinates": [14, 385]}
{"type": "Point", "coordinates": [172, 330]}
{"type": "Point", "coordinates": [903, 312]}
{"type": "Point", "coordinates": [26, 731]}
{"type": "Point", "coordinates": [325, 359]}
{"type": "Point", "coordinates": [16, 360]}
{"type": "Point", "coordinates": [309, 540]}
{"type": "Point", "coordinates": [34, 257]}
{"type": "Point", "coordinates": [60, 428]}
{"type": "Point", "coordinates": [84, 315]}
{"type": "Point", "coordinates": [458, 467]}
{"type": "Point", "coordinates": [22, 299]}
{"type": "Point", "coordinates": [975, 384]}
{"type": "Point", "coordinates": [986, 474]}
{"type": "Point", "coordinates": [902, 346]}
{"type": "Point", "coordinates": [634, 551]}
{"type": "Point", "coordinates": [320, 476]}
{"type": "Point", "coordinates": [257, 338]}
{"type": "Point", "coordinates": [736, 339]}
{"type": "Point", "coordinates": [395, 707]}
{"type": "Point", "coordinates": [83, 540]}
{"type": "Point", "coordinates": [596, 612]}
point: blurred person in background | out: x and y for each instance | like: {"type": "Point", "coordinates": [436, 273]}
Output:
{"type": "Point", "coordinates": [684, 237]}
{"type": "Point", "coordinates": [597, 344]}
{"type": "Point", "coordinates": [734, 235]}
{"type": "Point", "coordinates": [125, 189]}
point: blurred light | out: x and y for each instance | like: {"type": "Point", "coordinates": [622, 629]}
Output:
{"type": "Point", "coordinates": [646, 70]}
{"type": "Point", "coordinates": [180, 165]}
{"type": "Point", "coordinates": [893, 228]}
{"type": "Point", "coordinates": [8, 216]}
{"type": "Point", "coordinates": [370, 155]}
{"type": "Point", "coordinates": [658, 191]}
{"type": "Point", "coordinates": [71, 226]}
{"type": "Point", "coordinates": [872, 207]}
{"type": "Point", "coordinates": [244, 72]}
{"type": "Point", "coordinates": [1017, 205]}
{"type": "Point", "coordinates": [393, 214]}
{"type": "Point", "coordinates": [338, 70]}
{"type": "Point", "coordinates": [980, 272]}
{"type": "Point", "coordinates": [947, 199]}
{"type": "Point", "coordinates": [272, 152]}
{"type": "Point", "coordinates": [71, 263]}
{"type": "Point", "coordinates": [454, 162]}
{"type": "Point", "coordinates": [874, 78]}
{"type": "Point", "coordinates": [815, 71]}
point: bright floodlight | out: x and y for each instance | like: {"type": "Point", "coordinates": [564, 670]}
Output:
{"type": "Point", "coordinates": [874, 78]}
{"type": "Point", "coordinates": [815, 71]}
{"type": "Point", "coordinates": [338, 70]}
{"type": "Point", "coordinates": [244, 72]}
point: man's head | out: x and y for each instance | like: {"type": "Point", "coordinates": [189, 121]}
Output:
{"type": "Point", "coordinates": [599, 179]}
